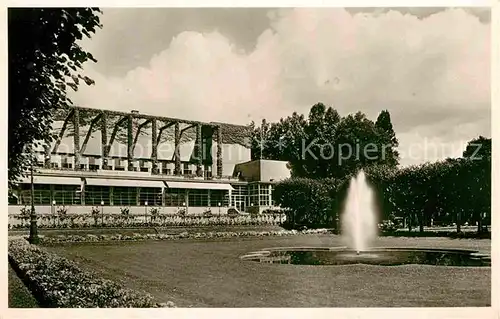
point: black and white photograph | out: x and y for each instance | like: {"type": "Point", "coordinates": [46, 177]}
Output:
{"type": "Point", "coordinates": [249, 157]}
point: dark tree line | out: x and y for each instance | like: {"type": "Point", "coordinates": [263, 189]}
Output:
{"type": "Point", "coordinates": [449, 191]}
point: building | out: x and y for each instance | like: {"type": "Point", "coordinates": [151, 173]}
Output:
{"type": "Point", "coordinates": [130, 160]}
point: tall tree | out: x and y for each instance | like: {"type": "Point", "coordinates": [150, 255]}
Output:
{"type": "Point", "coordinates": [389, 140]}
{"type": "Point", "coordinates": [478, 154]}
{"type": "Point", "coordinates": [44, 60]}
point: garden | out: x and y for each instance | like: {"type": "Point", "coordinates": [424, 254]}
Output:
{"type": "Point", "coordinates": [208, 272]}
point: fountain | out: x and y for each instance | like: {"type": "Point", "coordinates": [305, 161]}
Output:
{"type": "Point", "coordinates": [359, 218]}
{"type": "Point", "coordinates": [359, 229]}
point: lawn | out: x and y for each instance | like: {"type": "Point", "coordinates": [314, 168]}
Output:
{"type": "Point", "coordinates": [208, 273]}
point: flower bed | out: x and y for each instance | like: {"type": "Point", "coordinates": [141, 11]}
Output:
{"type": "Point", "coordinates": [58, 283]}
{"type": "Point", "coordinates": [20, 221]}
{"type": "Point", "coordinates": [184, 235]}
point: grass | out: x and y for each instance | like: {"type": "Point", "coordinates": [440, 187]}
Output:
{"type": "Point", "coordinates": [19, 295]}
{"type": "Point", "coordinates": [209, 273]}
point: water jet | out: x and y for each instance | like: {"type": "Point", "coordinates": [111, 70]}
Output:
{"type": "Point", "coordinates": [359, 230]}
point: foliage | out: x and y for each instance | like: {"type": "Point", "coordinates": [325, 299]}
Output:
{"type": "Point", "coordinates": [207, 213]}
{"type": "Point", "coordinates": [26, 212]}
{"type": "Point", "coordinates": [326, 145]}
{"type": "Point", "coordinates": [161, 220]}
{"type": "Point", "coordinates": [58, 282]}
{"type": "Point", "coordinates": [182, 212]}
{"type": "Point", "coordinates": [40, 71]}
{"type": "Point", "coordinates": [307, 202]}
{"type": "Point", "coordinates": [445, 192]}
{"type": "Point", "coordinates": [184, 235]}
{"type": "Point", "coordinates": [95, 211]}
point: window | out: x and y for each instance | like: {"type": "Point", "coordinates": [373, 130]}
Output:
{"type": "Point", "coordinates": [67, 165]}
{"type": "Point", "coordinates": [125, 196]}
{"type": "Point", "coordinates": [263, 195]}
{"type": "Point", "coordinates": [93, 167]}
{"type": "Point", "coordinates": [174, 197]}
{"type": "Point", "coordinates": [83, 166]}
{"type": "Point", "coordinates": [42, 194]}
{"type": "Point", "coordinates": [253, 194]}
{"type": "Point", "coordinates": [142, 166]}
{"type": "Point", "coordinates": [150, 195]}
{"type": "Point", "coordinates": [54, 165]}
{"type": "Point", "coordinates": [219, 196]}
{"type": "Point", "coordinates": [198, 197]}
{"type": "Point", "coordinates": [67, 195]}
{"type": "Point", "coordinates": [273, 203]}
{"type": "Point", "coordinates": [95, 194]}
{"type": "Point", "coordinates": [208, 171]}
{"type": "Point", "coordinates": [187, 169]}
{"type": "Point", "coordinates": [119, 165]}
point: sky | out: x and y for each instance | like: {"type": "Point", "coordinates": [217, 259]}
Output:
{"type": "Point", "coordinates": [430, 67]}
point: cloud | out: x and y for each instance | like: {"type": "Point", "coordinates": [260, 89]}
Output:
{"type": "Point", "coordinates": [428, 72]}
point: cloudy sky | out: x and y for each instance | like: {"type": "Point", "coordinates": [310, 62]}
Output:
{"type": "Point", "coordinates": [429, 67]}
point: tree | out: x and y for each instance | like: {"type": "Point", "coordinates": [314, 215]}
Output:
{"type": "Point", "coordinates": [478, 153]}
{"type": "Point", "coordinates": [478, 149]}
{"type": "Point", "coordinates": [389, 139]}
{"type": "Point", "coordinates": [44, 60]}
{"type": "Point", "coordinates": [325, 145]}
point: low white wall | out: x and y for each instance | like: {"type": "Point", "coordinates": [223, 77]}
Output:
{"type": "Point", "coordinates": [135, 210]}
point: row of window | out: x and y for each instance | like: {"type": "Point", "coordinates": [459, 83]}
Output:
{"type": "Point", "coordinates": [124, 196]}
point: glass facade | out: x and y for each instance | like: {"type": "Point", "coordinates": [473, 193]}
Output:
{"type": "Point", "coordinates": [174, 197]}
{"type": "Point", "coordinates": [150, 195]}
{"type": "Point", "coordinates": [67, 195]}
{"type": "Point", "coordinates": [241, 197]}
{"type": "Point", "coordinates": [95, 194]}
{"type": "Point", "coordinates": [42, 194]}
{"type": "Point", "coordinates": [125, 196]}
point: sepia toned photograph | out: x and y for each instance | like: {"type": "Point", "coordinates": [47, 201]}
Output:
{"type": "Point", "coordinates": [249, 157]}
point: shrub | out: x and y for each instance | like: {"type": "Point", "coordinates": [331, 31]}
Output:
{"type": "Point", "coordinates": [181, 212]}
{"type": "Point", "coordinates": [95, 214]}
{"type": "Point", "coordinates": [307, 202]}
{"type": "Point", "coordinates": [58, 282]}
{"type": "Point", "coordinates": [207, 213]}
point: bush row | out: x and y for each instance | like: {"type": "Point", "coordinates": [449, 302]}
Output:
{"type": "Point", "coordinates": [449, 234]}
{"type": "Point", "coordinates": [454, 191]}
{"type": "Point", "coordinates": [160, 220]}
{"type": "Point", "coordinates": [59, 283]}
{"type": "Point", "coordinates": [184, 235]}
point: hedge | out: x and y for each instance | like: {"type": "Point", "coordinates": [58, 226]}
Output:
{"type": "Point", "coordinates": [59, 283]}
{"type": "Point", "coordinates": [185, 235]}
{"type": "Point", "coordinates": [160, 220]}
{"type": "Point", "coordinates": [451, 191]}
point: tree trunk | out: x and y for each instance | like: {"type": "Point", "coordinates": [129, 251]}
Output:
{"type": "Point", "coordinates": [421, 221]}
{"type": "Point", "coordinates": [459, 221]}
